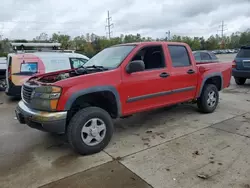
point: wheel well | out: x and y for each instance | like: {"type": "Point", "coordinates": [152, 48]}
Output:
{"type": "Point", "coordinates": [104, 99]}
{"type": "Point", "coordinates": [216, 80]}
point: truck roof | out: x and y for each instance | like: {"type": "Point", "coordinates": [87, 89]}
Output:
{"type": "Point", "coordinates": [152, 43]}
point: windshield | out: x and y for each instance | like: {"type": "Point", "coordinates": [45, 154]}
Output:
{"type": "Point", "coordinates": [110, 57]}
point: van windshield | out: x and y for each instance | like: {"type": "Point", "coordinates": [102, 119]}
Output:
{"type": "Point", "coordinates": [110, 57]}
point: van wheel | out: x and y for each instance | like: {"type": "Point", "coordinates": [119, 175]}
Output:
{"type": "Point", "coordinates": [3, 85]}
{"type": "Point", "coordinates": [240, 81]}
{"type": "Point", "coordinates": [209, 99]}
{"type": "Point", "coordinates": [90, 130]}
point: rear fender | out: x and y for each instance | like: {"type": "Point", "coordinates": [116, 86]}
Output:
{"type": "Point", "coordinates": [205, 78]}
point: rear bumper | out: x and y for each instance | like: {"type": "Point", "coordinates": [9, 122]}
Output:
{"type": "Point", "coordinates": [13, 90]}
{"type": "Point", "coordinates": [54, 122]}
{"type": "Point", "coordinates": [241, 73]}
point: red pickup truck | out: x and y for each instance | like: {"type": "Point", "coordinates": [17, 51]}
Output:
{"type": "Point", "coordinates": [117, 82]}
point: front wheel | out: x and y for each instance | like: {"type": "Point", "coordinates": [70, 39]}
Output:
{"type": "Point", "coordinates": [240, 81]}
{"type": "Point", "coordinates": [209, 99]}
{"type": "Point", "coordinates": [90, 130]}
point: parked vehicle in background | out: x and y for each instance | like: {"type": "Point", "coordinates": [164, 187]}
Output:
{"type": "Point", "coordinates": [22, 65]}
{"type": "Point", "coordinates": [3, 67]}
{"type": "Point", "coordinates": [117, 82]}
{"type": "Point", "coordinates": [241, 65]}
{"type": "Point", "coordinates": [205, 57]}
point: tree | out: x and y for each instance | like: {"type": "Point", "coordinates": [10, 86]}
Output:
{"type": "Point", "coordinates": [42, 37]}
{"type": "Point", "coordinates": [63, 39]}
{"type": "Point", "coordinates": [90, 44]}
{"type": "Point", "coordinates": [212, 43]}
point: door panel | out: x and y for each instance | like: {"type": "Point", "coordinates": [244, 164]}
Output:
{"type": "Point", "coordinates": [183, 74]}
{"type": "Point", "coordinates": [144, 90]}
{"type": "Point", "coordinates": [184, 87]}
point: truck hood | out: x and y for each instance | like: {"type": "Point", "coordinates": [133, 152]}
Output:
{"type": "Point", "coordinates": [54, 77]}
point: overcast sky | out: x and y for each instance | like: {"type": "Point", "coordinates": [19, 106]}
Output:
{"type": "Point", "coordinates": [28, 18]}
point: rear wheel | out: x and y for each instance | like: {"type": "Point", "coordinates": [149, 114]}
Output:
{"type": "Point", "coordinates": [240, 81]}
{"type": "Point", "coordinates": [2, 84]}
{"type": "Point", "coordinates": [90, 130]}
{"type": "Point", "coordinates": [209, 99]}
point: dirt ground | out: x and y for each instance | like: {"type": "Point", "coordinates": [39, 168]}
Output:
{"type": "Point", "coordinates": [169, 147]}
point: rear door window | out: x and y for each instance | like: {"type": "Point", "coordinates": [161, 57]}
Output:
{"type": "Point", "coordinates": [30, 67]}
{"type": "Point", "coordinates": [27, 69]}
{"type": "Point", "coordinates": [179, 56]}
{"type": "Point", "coordinates": [244, 53]}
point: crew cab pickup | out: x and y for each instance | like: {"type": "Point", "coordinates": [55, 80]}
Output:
{"type": "Point", "coordinates": [117, 82]}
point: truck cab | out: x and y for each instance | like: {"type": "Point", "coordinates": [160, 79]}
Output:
{"type": "Point", "coordinates": [118, 82]}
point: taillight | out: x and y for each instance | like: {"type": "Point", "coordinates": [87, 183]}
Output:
{"type": "Point", "coordinates": [9, 72]}
{"type": "Point", "coordinates": [234, 64]}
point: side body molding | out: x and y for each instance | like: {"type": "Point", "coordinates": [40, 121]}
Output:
{"type": "Point", "coordinates": [77, 94]}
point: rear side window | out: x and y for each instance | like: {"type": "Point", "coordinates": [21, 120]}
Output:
{"type": "Point", "coordinates": [213, 56]}
{"type": "Point", "coordinates": [179, 56]}
{"type": "Point", "coordinates": [205, 56]}
{"type": "Point", "coordinates": [244, 53]}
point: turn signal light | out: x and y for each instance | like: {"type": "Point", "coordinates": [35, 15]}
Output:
{"type": "Point", "coordinates": [53, 104]}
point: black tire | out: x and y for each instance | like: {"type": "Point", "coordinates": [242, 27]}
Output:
{"type": "Point", "coordinates": [202, 101]}
{"type": "Point", "coordinates": [240, 81]}
{"type": "Point", "coordinates": [78, 121]}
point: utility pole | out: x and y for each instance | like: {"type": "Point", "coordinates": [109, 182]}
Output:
{"type": "Point", "coordinates": [109, 25]}
{"type": "Point", "coordinates": [223, 28]}
{"type": "Point", "coordinates": [168, 35]}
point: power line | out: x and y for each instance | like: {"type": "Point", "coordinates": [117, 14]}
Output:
{"type": "Point", "coordinates": [109, 25]}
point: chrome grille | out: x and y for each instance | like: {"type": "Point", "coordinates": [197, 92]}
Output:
{"type": "Point", "coordinates": [26, 93]}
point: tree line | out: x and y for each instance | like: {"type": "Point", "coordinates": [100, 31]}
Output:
{"type": "Point", "coordinates": [90, 44]}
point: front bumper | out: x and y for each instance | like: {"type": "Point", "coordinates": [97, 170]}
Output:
{"type": "Point", "coordinates": [241, 73]}
{"type": "Point", "coordinates": [54, 122]}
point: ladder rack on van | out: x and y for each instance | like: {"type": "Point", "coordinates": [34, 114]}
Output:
{"type": "Point", "coordinates": [38, 47]}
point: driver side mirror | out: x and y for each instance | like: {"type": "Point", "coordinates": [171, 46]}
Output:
{"type": "Point", "coordinates": [135, 66]}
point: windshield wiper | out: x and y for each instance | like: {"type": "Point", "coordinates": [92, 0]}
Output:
{"type": "Point", "coordinates": [94, 67]}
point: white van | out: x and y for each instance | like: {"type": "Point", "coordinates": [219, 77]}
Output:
{"type": "Point", "coordinates": [21, 66]}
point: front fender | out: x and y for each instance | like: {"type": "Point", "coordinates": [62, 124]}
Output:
{"type": "Point", "coordinates": [79, 93]}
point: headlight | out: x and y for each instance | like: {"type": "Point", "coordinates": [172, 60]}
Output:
{"type": "Point", "coordinates": [45, 98]}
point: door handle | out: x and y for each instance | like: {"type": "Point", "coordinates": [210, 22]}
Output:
{"type": "Point", "coordinates": [190, 71]}
{"type": "Point", "coordinates": [164, 75]}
